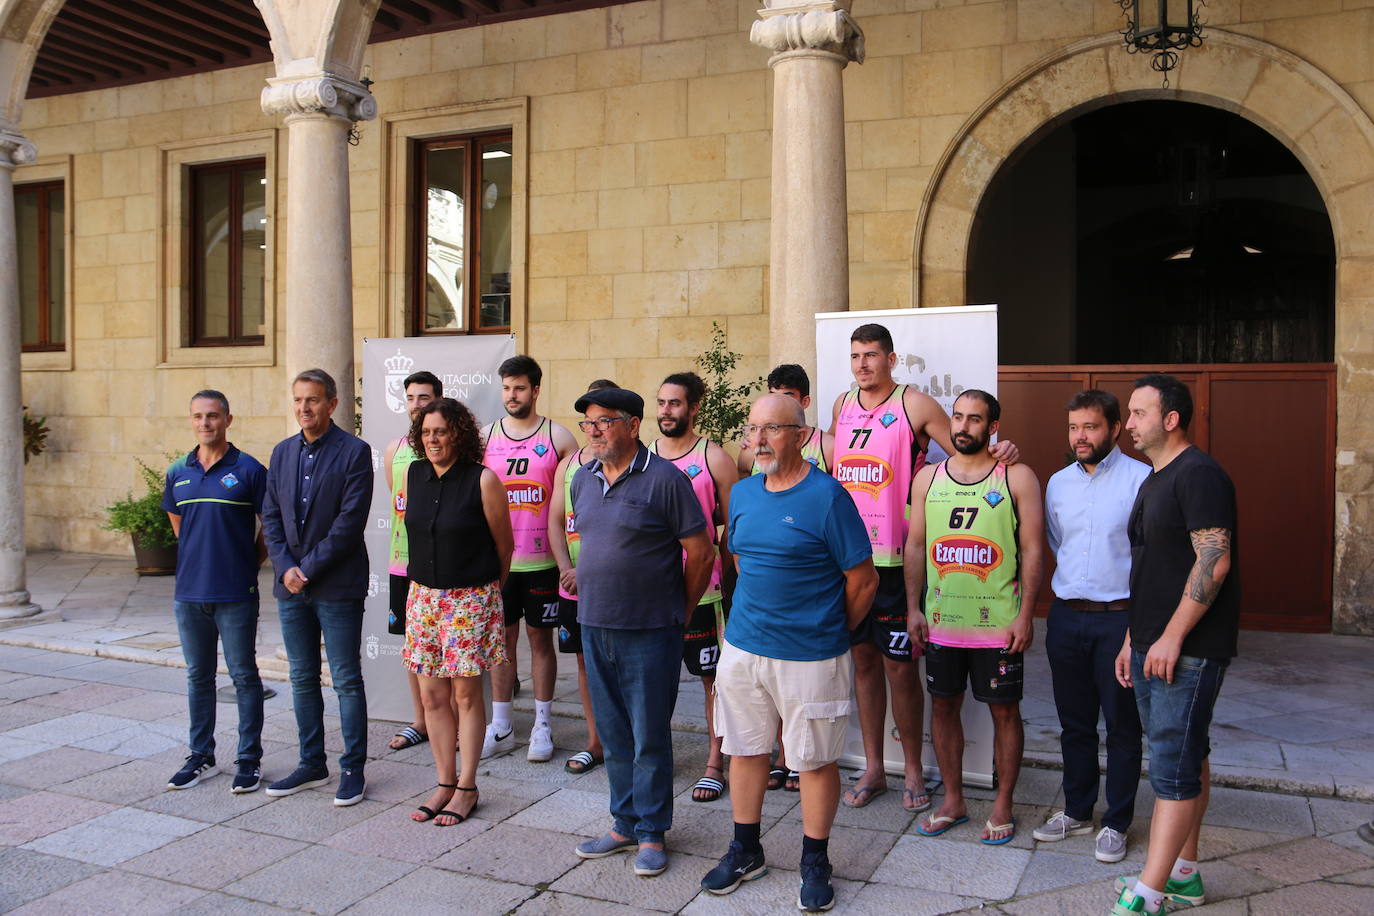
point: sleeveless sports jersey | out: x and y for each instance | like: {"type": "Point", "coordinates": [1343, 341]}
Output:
{"type": "Point", "coordinates": [973, 588]}
{"type": "Point", "coordinates": [569, 522]}
{"type": "Point", "coordinates": [693, 464]}
{"type": "Point", "coordinates": [811, 451]}
{"type": "Point", "coordinates": [875, 460]}
{"type": "Point", "coordinates": [526, 468]}
{"type": "Point", "coordinates": [398, 554]}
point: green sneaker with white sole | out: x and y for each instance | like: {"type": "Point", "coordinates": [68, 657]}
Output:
{"type": "Point", "coordinates": [1134, 906]}
{"type": "Point", "coordinates": [1188, 892]}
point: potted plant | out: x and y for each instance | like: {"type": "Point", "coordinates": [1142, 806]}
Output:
{"type": "Point", "coordinates": [155, 546]}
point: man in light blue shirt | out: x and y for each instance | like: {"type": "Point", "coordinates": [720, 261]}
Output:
{"type": "Point", "coordinates": [1087, 507]}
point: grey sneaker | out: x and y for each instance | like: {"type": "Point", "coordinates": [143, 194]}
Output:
{"type": "Point", "coordinates": [1111, 845]}
{"type": "Point", "coordinates": [650, 861]}
{"type": "Point", "coordinates": [1060, 827]}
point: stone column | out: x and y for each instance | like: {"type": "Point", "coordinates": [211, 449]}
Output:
{"type": "Point", "coordinates": [319, 111]}
{"type": "Point", "coordinates": [809, 260]}
{"type": "Point", "coordinates": [15, 605]}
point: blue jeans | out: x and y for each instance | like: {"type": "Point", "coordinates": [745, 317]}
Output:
{"type": "Point", "coordinates": [201, 625]}
{"type": "Point", "coordinates": [1176, 718]}
{"type": "Point", "coordinates": [303, 619]}
{"type": "Point", "coordinates": [1082, 647]}
{"type": "Point", "coordinates": [633, 678]}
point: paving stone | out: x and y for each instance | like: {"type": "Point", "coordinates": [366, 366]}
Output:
{"type": "Point", "coordinates": [613, 879]}
{"type": "Point", "coordinates": [56, 766]}
{"type": "Point", "coordinates": [8, 791]}
{"type": "Point", "coordinates": [967, 869]}
{"type": "Point", "coordinates": [429, 890]}
{"type": "Point", "coordinates": [38, 814]}
{"type": "Point", "coordinates": [1351, 840]}
{"type": "Point", "coordinates": [116, 893]}
{"type": "Point", "coordinates": [888, 898]}
{"type": "Point", "coordinates": [26, 875]}
{"type": "Point", "coordinates": [227, 905]}
{"type": "Point", "coordinates": [1225, 881]}
{"type": "Point", "coordinates": [19, 748]}
{"type": "Point", "coordinates": [394, 835]}
{"type": "Point", "coordinates": [1259, 811]}
{"type": "Point", "coordinates": [1221, 842]}
{"type": "Point", "coordinates": [88, 696]}
{"type": "Point", "coordinates": [552, 903]}
{"type": "Point", "coordinates": [1325, 897]}
{"type": "Point", "coordinates": [210, 801]}
{"type": "Point", "coordinates": [26, 712]}
{"type": "Point", "coordinates": [115, 837]}
{"type": "Point", "coordinates": [1054, 870]}
{"type": "Point", "coordinates": [71, 728]}
{"type": "Point", "coordinates": [1334, 815]}
{"type": "Point", "coordinates": [1223, 908]}
{"type": "Point", "coordinates": [389, 781]}
{"type": "Point", "coordinates": [1259, 754]}
{"type": "Point", "coordinates": [1363, 878]}
{"type": "Point", "coordinates": [568, 811]}
{"type": "Point", "coordinates": [522, 855]}
{"type": "Point", "coordinates": [1095, 897]}
{"type": "Point", "coordinates": [1305, 860]}
{"type": "Point", "coordinates": [25, 688]}
{"type": "Point", "coordinates": [704, 830]}
{"type": "Point", "coordinates": [213, 857]}
{"type": "Point", "coordinates": [321, 880]}
{"type": "Point", "coordinates": [142, 739]}
{"type": "Point", "coordinates": [129, 782]}
{"type": "Point", "coordinates": [310, 816]}
{"type": "Point", "coordinates": [148, 706]}
{"type": "Point", "coordinates": [854, 854]}
{"type": "Point", "coordinates": [1300, 728]}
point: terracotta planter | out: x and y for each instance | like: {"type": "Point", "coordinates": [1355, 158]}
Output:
{"type": "Point", "coordinates": [154, 561]}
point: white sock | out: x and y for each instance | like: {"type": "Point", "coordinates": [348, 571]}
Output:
{"type": "Point", "coordinates": [542, 708]}
{"type": "Point", "coordinates": [500, 717]}
{"type": "Point", "coordinates": [1183, 870]}
{"type": "Point", "coordinates": [1153, 899]}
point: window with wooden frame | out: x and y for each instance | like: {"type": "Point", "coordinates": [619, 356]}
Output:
{"type": "Point", "coordinates": [228, 253]}
{"type": "Point", "coordinates": [40, 228]}
{"type": "Point", "coordinates": [461, 235]}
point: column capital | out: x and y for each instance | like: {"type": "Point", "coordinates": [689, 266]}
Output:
{"type": "Point", "coordinates": [322, 93]}
{"type": "Point", "coordinates": [15, 148]}
{"type": "Point", "coordinates": [798, 25]}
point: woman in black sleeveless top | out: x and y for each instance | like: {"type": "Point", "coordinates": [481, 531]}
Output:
{"type": "Point", "coordinates": [460, 540]}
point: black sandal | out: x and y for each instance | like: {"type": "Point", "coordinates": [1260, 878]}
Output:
{"type": "Point", "coordinates": [429, 813]}
{"type": "Point", "coordinates": [458, 818]}
{"type": "Point", "coordinates": [776, 777]}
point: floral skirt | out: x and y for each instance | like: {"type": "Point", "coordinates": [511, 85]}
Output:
{"type": "Point", "coordinates": [454, 632]}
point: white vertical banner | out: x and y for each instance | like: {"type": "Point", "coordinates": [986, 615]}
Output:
{"type": "Point", "coordinates": [940, 352]}
{"type": "Point", "coordinates": [466, 365]}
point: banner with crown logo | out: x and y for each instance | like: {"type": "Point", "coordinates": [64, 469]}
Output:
{"type": "Point", "coordinates": [466, 368]}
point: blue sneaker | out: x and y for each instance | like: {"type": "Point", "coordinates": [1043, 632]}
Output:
{"type": "Point", "coordinates": [352, 786]}
{"type": "Point", "coordinates": [247, 778]}
{"type": "Point", "coordinates": [302, 778]}
{"type": "Point", "coordinates": [196, 768]}
{"type": "Point", "coordinates": [816, 894]}
{"type": "Point", "coordinates": [650, 862]}
{"type": "Point", "coordinates": [735, 867]}
{"type": "Point", "coordinates": [602, 846]}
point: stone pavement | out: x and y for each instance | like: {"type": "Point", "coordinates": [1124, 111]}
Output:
{"type": "Point", "coordinates": [1296, 714]}
{"type": "Point", "coordinates": [87, 825]}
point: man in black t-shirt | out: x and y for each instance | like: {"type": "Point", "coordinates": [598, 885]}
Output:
{"type": "Point", "coordinates": [1184, 620]}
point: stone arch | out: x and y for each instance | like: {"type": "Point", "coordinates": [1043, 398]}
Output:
{"type": "Point", "coordinates": [326, 36]}
{"type": "Point", "coordinates": [23, 24]}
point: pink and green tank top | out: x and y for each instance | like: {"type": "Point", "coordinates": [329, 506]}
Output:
{"type": "Point", "coordinates": [693, 464]}
{"type": "Point", "coordinates": [811, 451]}
{"type": "Point", "coordinates": [526, 468]}
{"type": "Point", "coordinates": [875, 458]}
{"type": "Point", "coordinates": [973, 588]}
{"type": "Point", "coordinates": [570, 520]}
{"type": "Point", "coordinates": [398, 554]}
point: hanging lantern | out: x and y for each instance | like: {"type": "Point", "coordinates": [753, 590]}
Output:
{"type": "Point", "coordinates": [1161, 28]}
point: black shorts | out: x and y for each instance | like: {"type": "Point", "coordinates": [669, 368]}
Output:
{"type": "Point", "coordinates": [396, 620]}
{"type": "Point", "coordinates": [701, 641]}
{"type": "Point", "coordinates": [533, 596]}
{"type": "Point", "coordinates": [885, 625]}
{"type": "Point", "coordinates": [997, 675]}
{"type": "Point", "coordinates": [569, 630]}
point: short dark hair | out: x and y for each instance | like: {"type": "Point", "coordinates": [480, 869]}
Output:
{"type": "Point", "coordinates": [873, 333]}
{"type": "Point", "coordinates": [994, 406]}
{"type": "Point", "coordinates": [211, 394]}
{"type": "Point", "coordinates": [790, 375]}
{"type": "Point", "coordinates": [425, 377]}
{"type": "Point", "coordinates": [1104, 401]}
{"type": "Point", "coordinates": [691, 383]}
{"type": "Point", "coordinates": [522, 365]}
{"type": "Point", "coordinates": [459, 419]}
{"type": "Point", "coordinates": [600, 383]}
{"type": "Point", "coordinates": [1173, 396]}
{"type": "Point", "coordinates": [319, 377]}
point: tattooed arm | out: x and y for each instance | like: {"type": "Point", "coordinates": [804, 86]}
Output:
{"type": "Point", "coordinates": [1212, 547]}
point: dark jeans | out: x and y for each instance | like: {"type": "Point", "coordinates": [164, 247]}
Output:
{"type": "Point", "coordinates": [1082, 647]}
{"type": "Point", "coordinates": [633, 678]}
{"type": "Point", "coordinates": [303, 620]}
{"type": "Point", "coordinates": [201, 625]}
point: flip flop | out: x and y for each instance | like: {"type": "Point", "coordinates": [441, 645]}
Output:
{"type": "Point", "coordinates": [410, 736]}
{"type": "Point", "coordinates": [997, 828]}
{"type": "Point", "coordinates": [913, 795]}
{"type": "Point", "coordinates": [711, 786]}
{"type": "Point", "coordinates": [776, 777]}
{"type": "Point", "coordinates": [941, 823]}
{"type": "Point", "coordinates": [863, 795]}
{"type": "Point", "coordinates": [583, 762]}
{"type": "Point", "coordinates": [793, 783]}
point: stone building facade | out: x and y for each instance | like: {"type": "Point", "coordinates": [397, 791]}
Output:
{"type": "Point", "coordinates": [651, 145]}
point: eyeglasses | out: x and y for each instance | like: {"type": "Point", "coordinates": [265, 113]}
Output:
{"type": "Point", "coordinates": [771, 429]}
{"type": "Point", "coordinates": [601, 423]}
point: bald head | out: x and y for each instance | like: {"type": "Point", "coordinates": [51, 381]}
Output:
{"type": "Point", "coordinates": [777, 453]}
{"type": "Point", "coordinates": [776, 408]}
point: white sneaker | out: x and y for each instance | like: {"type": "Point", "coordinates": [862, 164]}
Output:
{"type": "Point", "coordinates": [1060, 826]}
{"type": "Point", "coordinates": [497, 744]}
{"type": "Point", "coordinates": [1111, 845]}
{"type": "Point", "coordinates": [541, 743]}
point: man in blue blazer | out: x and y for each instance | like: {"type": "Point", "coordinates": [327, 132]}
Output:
{"type": "Point", "coordinates": [319, 490]}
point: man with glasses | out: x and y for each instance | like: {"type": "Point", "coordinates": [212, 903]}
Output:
{"type": "Point", "coordinates": [636, 515]}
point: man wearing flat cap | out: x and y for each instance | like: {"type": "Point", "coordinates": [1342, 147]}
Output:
{"type": "Point", "coordinates": [634, 515]}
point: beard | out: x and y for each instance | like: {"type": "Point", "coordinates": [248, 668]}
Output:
{"type": "Point", "coordinates": [767, 462]}
{"type": "Point", "coordinates": [1099, 452]}
{"type": "Point", "coordinates": [966, 444]}
{"type": "Point", "coordinates": [519, 411]}
{"type": "Point", "coordinates": [673, 428]}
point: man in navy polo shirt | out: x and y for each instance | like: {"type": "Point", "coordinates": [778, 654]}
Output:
{"type": "Point", "coordinates": [213, 496]}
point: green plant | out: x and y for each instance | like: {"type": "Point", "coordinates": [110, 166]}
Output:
{"type": "Point", "coordinates": [142, 516]}
{"type": "Point", "coordinates": [358, 410]}
{"type": "Point", "coordinates": [725, 406]}
{"type": "Point", "coordinates": [35, 435]}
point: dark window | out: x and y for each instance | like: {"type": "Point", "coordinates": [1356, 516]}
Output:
{"type": "Point", "coordinates": [40, 226]}
{"type": "Point", "coordinates": [460, 251]}
{"type": "Point", "coordinates": [228, 252]}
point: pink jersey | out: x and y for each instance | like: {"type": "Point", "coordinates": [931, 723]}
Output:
{"type": "Point", "coordinates": [526, 468]}
{"type": "Point", "coordinates": [875, 459]}
{"type": "Point", "coordinates": [693, 464]}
